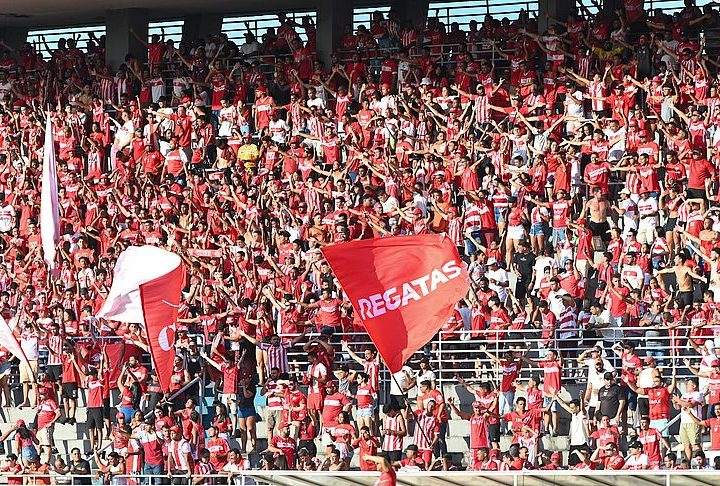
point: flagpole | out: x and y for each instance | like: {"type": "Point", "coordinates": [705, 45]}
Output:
{"type": "Point", "coordinates": [407, 402]}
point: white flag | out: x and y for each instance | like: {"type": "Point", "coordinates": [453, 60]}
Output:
{"type": "Point", "coordinates": [135, 266]}
{"type": "Point", "coordinates": [49, 207]}
{"type": "Point", "coordinates": [10, 342]}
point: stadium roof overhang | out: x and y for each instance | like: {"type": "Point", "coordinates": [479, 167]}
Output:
{"type": "Point", "coordinates": [51, 13]}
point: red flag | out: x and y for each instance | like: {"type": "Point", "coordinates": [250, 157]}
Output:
{"type": "Point", "coordinates": [160, 299]}
{"type": "Point", "coordinates": [403, 289]}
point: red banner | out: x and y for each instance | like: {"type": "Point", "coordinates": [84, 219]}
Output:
{"type": "Point", "coordinates": [119, 353]}
{"type": "Point", "coordinates": [403, 289]}
{"type": "Point", "coordinates": [160, 299]}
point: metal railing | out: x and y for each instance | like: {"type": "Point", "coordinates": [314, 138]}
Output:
{"type": "Point", "coordinates": [459, 478]}
{"type": "Point", "coordinates": [461, 355]}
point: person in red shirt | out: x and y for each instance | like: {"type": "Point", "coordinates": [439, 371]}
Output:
{"type": "Point", "coordinates": [552, 372]}
{"type": "Point", "coordinates": [479, 434]}
{"type": "Point", "coordinates": [388, 476]}
{"type": "Point", "coordinates": [48, 413]}
{"type": "Point", "coordinates": [612, 460]}
{"type": "Point", "coordinates": [658, 398]}
{"type": "Point", "coordinates": [284, 445]}
{"type": "Point", "coordinates": [651, 439]}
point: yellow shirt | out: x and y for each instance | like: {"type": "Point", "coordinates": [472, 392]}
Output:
{"type": "Point", "coordinates": [248, 154]}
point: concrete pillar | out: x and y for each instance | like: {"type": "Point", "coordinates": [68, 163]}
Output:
{"type": "Point", "coordinates": [15, 37]}
{"type": "Point", "coordinates": [119, 42]}
{"type": "Point", "coordinates": [332, 16]}
{"type": "Point", "coordinates": [413, 10]}
{"type": "Point", "coordinates": [202, 25]}
{"type": "Point", "coordinates": [558, 9]}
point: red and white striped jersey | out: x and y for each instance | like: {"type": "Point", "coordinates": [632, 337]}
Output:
{"type": "Point", "coordinates": [392, 442]}
{"type": "Point", "coordinates": [426, 428]}
{"type": "Point", "coordinates": [54, 344]}
{"type": "Point", "coordinates": [179, 450]}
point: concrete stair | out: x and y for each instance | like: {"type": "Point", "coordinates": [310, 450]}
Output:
{"type": "Point", "coordinates": [69, 436]}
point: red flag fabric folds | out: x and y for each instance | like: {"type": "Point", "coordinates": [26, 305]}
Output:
{"type": "Point", "coordinates": [403, 289]}
{"type": "Point", "coordinates": [160, 300]}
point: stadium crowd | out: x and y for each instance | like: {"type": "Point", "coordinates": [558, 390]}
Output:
{"type": "Point", "coordinates": [575, 169]}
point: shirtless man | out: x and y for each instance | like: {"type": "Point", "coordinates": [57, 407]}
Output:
{"type": "Point", "coordinates": [599, 208]}
{"type": "Point", "coordinates": [684, 277]}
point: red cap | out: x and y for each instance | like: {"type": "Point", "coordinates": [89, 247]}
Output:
{"type": "Point", "coordinates": [715, 362]}
{"type": "Point", "coordinates": [556, 456]}
{"type": "Point", "coordinates": [119, 415]}
{"type": "Point", "coordinates": [494, 453]}
{"type": "Point", "coordinates": [261, 89]}
{"type": "Point", "coordinates": [582, 221]}
{"type": "Point", "coordinates": [649, 359]}
{"type": "Point", "coordinates": [387, 85]}
{"type": "Point", "coordinates": [657, 79]}
{"type": "Point", "coordinates": [643, 133]}
{"type": "Point", "coordinates": [174, 428]}
{"type": "Point", "coordinates": [417, 211]}
{"type": "Point", "coordinates": [632, 123]}
{"type": "Point", "coordinates": [20, 423]}
{"type": "Point", "coordinates": [476, 404]}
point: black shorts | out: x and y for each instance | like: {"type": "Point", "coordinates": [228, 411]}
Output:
{"type": "Point", "coordinates": [600, 229]}
{"type": "Point", "coordinates": [69, 391]}
{"type": "Point", "coordinates": [54, 372]}
{"type": "Point", "coordinates": [106, 408]}
{"type": "Point", "coordinates": [591, 413]}
{"type": "Point", "coordinates": [671, 224]}
{"type": "Point", "coordinates": [494, 432]}
{"type": "Point", "coordinates": [95, 418]}
{"type": "Point", "coordinates": [685, 298]}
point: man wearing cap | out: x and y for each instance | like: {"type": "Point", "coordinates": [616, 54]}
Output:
{"type": "Point", "coordinates": [334, 402]}
{"type": "Point", "coordinates": [283, 444]}
{"type": "Point", "coordinates": [152, 447]}
{"type": "Point", "coordinates": [479, 434]}
{"type": "Point", "coordinates": [180, 458]}
{"type": "Point", "coordinates": [413, 461]}
{"type": "Point", "coordinates": [636, 459]}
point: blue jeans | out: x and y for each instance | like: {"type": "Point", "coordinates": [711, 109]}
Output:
{"type": "Point", "coordinates": [470, 248]}
{"type": "Point", "coordinates": [153, 469]}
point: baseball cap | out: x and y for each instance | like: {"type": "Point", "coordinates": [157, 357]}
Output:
{"type": "Point", "coordinates": [20, 423]}
{"type": "Point", "coordinates": [556, 456]}
{"type": "Point", "coordinates": [715, 362]}
{"type": "Point", "coordinates": [119, 415]}
{"type": "Point", "coordinates": [491, 261]}
{"type": "Point", "coordinates": [425, 81]}
{"type": "Point", "coordinates": [643, 133]}
{"type": "Point", "coordinates": [625, 190]}
{"type": "Point", "coordinates": [174, 428]}
{"type": "Point", "coordinates": [650, 359]}
{"type": "Point", "coordinates": [476, 404]}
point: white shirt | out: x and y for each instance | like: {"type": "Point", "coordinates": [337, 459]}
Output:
{"type": "Point", "coordinates": [578, 434]}
{"type": "Point", "coordinates": [629, 221]}
{"type": "Point", "coordinates": [402, 378]}
{"type": "Point", "coordinates": [645, 208]}
{"type": "Point", "coordinates": [499, 276]}
{"type": "Point", "coordinates": [7, 214]}
{"type": "Point", "coordinates": [697, 409]}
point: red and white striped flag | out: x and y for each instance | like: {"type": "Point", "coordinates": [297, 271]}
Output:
{"type": "Point", "coordinates": [49, 207]}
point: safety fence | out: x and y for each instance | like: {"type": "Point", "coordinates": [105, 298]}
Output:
{"type": "Point", "coordinates": [450, 478]}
